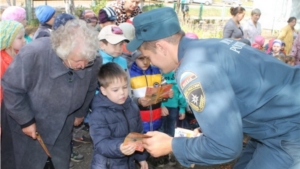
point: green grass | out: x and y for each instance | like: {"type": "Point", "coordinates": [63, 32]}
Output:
{"type": "Point", "coordinates": [213, 12]}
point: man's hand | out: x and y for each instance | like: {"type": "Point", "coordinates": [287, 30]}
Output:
{"type": "Point", "coordinates": [158, 144]}
{"type": "Point", "coordinates": [144, 164]}
{"type": "Point", "coordinates": [144, 101]}
{"type": "Point", "coordinates": [164, 111]}
{"type": "Point", "coordinates": [78, 121]}
{"type": "Point", "coordinates": [181, 116]}
{"type": "Point", "coordinates": [30, 131]}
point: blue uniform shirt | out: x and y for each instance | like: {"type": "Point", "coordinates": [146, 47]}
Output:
{"type": "Point", "coordinates": [233, 88]}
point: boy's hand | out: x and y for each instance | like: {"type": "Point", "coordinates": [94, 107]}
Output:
{"type": "Point", "coordinates": [127, 149]}
{"type": "Point", "coordinates": [164, 111]}
{"type": "Point", "coordinates": [30, 131]}
{"type": "Point", "coordinates": [144, 164]}
{"type": "Point", "coordinates": [144, 101]}
{"type": "Point", "coordinates": [181, 116]}
{"type": "Point", "coordinates": [78, 121]}
{"type": "Point", "coordinates": [171, 93]}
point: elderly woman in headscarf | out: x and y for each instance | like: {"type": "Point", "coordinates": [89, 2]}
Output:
{"type": "Point", "coordinates": [47, 89]}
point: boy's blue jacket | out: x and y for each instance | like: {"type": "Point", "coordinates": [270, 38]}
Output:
{"type": "Point", "coordinates": [178, 100]}
{"type": "Point", "coordinates": [109, 125]}
{"type": "Point", "coordinates": [233, 88]}
{"type": "Point", "coordinates": [119, 59]}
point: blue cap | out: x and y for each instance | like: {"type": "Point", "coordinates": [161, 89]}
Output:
{"type": "Point", "coordinates": [62, 19]}
{"type": "Point", "coordinates": [44, 13]}
{"type": "Point", "coordinates": [154, 25]}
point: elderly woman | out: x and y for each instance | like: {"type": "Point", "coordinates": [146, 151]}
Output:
{"type": "Point", "coordinates": [287, 34]}
{"type": "Point", "coordinates": [126, 9]}
{"type": "Point", "coordinates": [47, 89]}
{"type": "Point", "coordinates": [252, 27]}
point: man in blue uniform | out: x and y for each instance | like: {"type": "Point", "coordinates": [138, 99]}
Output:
{"type": "Point", "coordinates": [232, 89]}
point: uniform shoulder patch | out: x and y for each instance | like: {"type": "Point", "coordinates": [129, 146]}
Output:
{"type": "Point", "coordinates": [195, 96]}
{"type": "Point", "coordinates": [186, 78]}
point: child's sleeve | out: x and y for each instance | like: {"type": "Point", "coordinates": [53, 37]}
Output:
{"type": "Point", "coordinates": [141, 156]}
{"type": "Point", "coordinates": [104, 144]}
{"type": "Point", "coordinates": [182, 104]}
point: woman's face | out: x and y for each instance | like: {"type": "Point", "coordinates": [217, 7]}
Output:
{"type": "Point", "coordinates": [293, 23]}
{"type": "Point", "coordinates": [131, 5]}
{"type": "Point", "coordinates": [255, 17]}
{"type": "Point", "coordinates": [240, 16]}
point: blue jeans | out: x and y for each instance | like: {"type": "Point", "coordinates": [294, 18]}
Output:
{"type": "Point", "coordinates": [169, 121]}
{"type": "Point", "coordinates": [271, 154]}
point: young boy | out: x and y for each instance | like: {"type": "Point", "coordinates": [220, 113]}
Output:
{"type": "Point", "coordinates": [276, 48]}
{"type": "Point", "coordinates": [144, 75]}
{"type": "Point", "coordinates": [111, 39]}
{"type": "Point", "coordinates": [45, 15]}
{"type": "Point", "coordinates": [114, 116]}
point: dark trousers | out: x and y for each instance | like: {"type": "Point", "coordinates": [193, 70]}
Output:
{"type": "Point", "coordinates": [169, 121]}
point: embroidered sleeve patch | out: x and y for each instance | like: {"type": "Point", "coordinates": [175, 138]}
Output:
{"type": "Point", "coordinates": [195, 97]}
{"type": "Point", "coordinates": [186, 78]}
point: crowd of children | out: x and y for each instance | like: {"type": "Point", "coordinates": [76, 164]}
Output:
{"type": "Point", "coordinates": [119, 106]}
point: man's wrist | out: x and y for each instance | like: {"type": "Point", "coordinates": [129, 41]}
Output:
{"type": "Point", "coordinates": [170, 145]}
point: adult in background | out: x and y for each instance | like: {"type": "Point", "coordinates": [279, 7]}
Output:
{"type": "Point", "coordinates": [252, 27]}
{"type": "Point", "coordinates": [231, 89]}
{"type": "Point", "coordinates": [288, 33]}
{"type": "Point", "coordinates": [295, 52]}
{"type": "Point", "coordinates": [45, 15]}
{"type": "Point", "coordinates": [126, 9]}
{"type": "Point", "coordinates": [185, 9]}
{"type": "Point", "coordinates": [232, 28]}
{"type": "Point", "coordinates": [89, 17]}
{"type": "Point", "coordinates": [16, 13]}
{"type": "Point", "coordinates": [48, 88]}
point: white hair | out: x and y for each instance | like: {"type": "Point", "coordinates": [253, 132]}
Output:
{"type": "Point", "coordinates": [75, 35]}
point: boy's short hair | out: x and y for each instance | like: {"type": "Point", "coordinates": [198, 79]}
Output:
{"type": "Point", "coordinates": [109, 72]}
{"type": "Point", "coordinates": [289, 59]}
{"type": "Point", "coordinates": [281, 57]}
{"type": "Point", "coordinates": [112, 34]}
